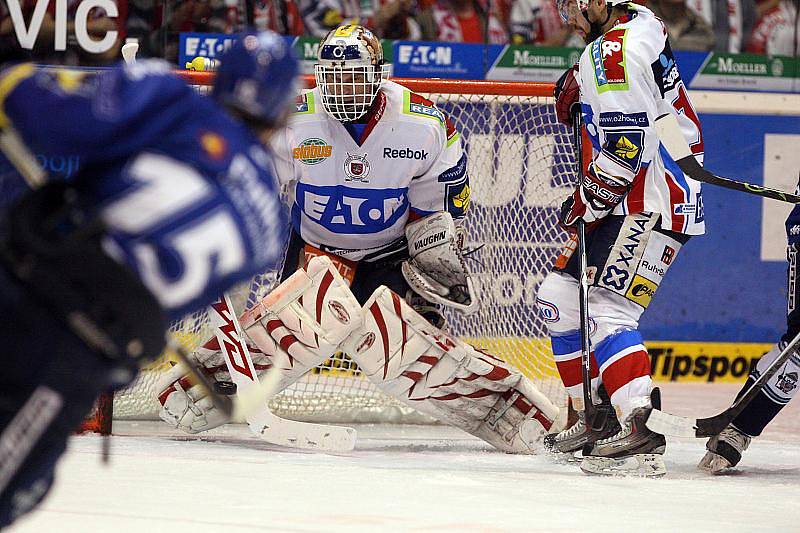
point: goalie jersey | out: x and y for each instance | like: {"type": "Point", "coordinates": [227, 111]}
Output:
{"type": "Point", "coordinates": [353, 197]}
{"type": "Point", "coordinates": [186, 193]}
{"type": "Point", "coordinates": [628, 78]}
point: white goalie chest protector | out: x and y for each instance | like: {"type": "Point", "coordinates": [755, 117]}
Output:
{"type": "Point", "coordinates": [355, 200]}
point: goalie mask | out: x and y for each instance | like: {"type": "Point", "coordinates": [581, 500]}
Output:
{"type": "Point", "coordinates": [349, 71]}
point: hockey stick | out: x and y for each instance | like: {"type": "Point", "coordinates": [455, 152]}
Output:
{"type": "Point", "coordinates": [679, 426]}
{"type": "Point", "coordinates": [669, 133]}
{"type": "Point", "coordinates": [583, 286]}
{"type": "Point", "coordinates": [261, 420]}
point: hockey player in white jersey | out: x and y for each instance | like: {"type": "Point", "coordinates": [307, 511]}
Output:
{"type": "Point", "coordinates": [639, 209]}
{"type": "Point", "coordinates": [377, 181]}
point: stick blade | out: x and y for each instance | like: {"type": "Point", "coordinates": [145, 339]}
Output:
{"type": "Point", "coordinates": [708, 427]}
{"type": "Point", "coordinates": [670, 135]}
{"type": "Point", "coordinates": [680, 426]}
{"type": "Point", "coordinates": [671, 425]}
{"type": "Point", "coordinates": [307, 436]}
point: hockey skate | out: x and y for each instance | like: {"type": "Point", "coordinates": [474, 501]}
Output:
{"type": "Point", "coordinates": [724, 451]}
{"type": "Point", "coordinates": [567, 444]}
{"type": "Point", "coordinates": [633, 451]}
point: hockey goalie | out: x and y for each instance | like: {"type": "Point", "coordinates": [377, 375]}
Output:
{"type": "Point", "coordinates": [377, 184]}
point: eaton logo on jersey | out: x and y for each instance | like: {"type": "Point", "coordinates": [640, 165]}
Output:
{"type": "Point", "coordinates": [346, 210]}
{"type": "Point", "coordinates": [608, 57]}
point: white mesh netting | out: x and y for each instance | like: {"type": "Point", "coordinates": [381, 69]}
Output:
{"type": "Point", "coordinates": [520, 167]}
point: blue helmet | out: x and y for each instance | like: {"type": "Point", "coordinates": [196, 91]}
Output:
{"type": "Point", "coordinates": [257, 77]}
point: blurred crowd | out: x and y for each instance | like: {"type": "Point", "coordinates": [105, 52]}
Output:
{"type": "Point", "coordinates": [753, 26]}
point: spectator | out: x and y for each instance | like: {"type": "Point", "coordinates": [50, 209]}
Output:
{"type": "Point", "coordinates": [394, 19]}
{"type": "Point", "coordinates": [687, 30]}
{"type": "Point", "coordinates": [142, 23]}
{"type": "Point", "coordinates": [391, 19]}
{"type": "Point", "coordinates": [777, 29]}
{"type": "Point", "coordinates": [280, 16]}
{"type": "Point", "coordinates": [731, 20]}
{"type": "Point", "coordinates": [537, 22]}
{"type": "Point", "coordinates": [321, 16]}
{"type": "Point", "coordinates": [461, 21]}
{"type": "Point", "coordinates": [158, 23]}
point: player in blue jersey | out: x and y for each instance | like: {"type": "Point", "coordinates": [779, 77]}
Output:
{"type": "Point", "coordinates": [724, 451]}
{"type": "Point", "coordinates": [173, 204]}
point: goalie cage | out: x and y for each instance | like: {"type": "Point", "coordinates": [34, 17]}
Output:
{"type": "Point", "coordinates": [520, 164]}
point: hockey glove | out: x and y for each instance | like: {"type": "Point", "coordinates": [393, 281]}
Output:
{"type": "Point", "coordinates": [597, 195]}
{"type": "Point", "coordinates": [436, 269]}
{"type": "Point", "coordinates": [567, 94]}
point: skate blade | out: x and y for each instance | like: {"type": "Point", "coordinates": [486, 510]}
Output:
{"type": "Point", "coordinates": [566, 457]}
{"type": "Point", "coordinates": [639, 465]}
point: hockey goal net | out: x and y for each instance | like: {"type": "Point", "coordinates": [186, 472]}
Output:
{"type": "Point", "coordinates": [520, 165]}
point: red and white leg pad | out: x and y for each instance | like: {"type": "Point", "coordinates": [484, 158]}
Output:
{"type": "Point", "coordinates": [296, 327]}
{"type": "Point", "coordinates": [409, 359]}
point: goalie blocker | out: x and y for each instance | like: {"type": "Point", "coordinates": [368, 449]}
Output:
{"type": "Point", "coordinates": [398, 350]}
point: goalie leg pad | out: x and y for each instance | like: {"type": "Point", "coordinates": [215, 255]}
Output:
{"type": "Point", "coordinates": [296, 327]}
{"type": "Point", "coordinates": [409, 359]}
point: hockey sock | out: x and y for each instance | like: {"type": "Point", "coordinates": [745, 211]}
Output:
{"type": "Point", "coordinates": [567, 354]}
{"type": "Point", "coordinates": [625, 368]}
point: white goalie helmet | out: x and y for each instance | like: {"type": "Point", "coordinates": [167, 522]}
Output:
{"type": "Point", "coordinates": [349, 71]}
{"type": "Point", "coordinates": [565, 7]}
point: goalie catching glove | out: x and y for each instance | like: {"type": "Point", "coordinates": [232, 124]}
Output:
{"type": "Point", "coordinates": [400, 352]}
{"type": "Point", "coordinates": [437, 270]}
{"type": "Point", "coordinates": [296, 337]}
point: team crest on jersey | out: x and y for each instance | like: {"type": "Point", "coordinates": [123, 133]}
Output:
{"type": "Point", "coordinates": [214, 145]}
{"type": "Point", "coordinates": [457, 196]}
{"type": "Point", "coordinates": [787, 382]}
{"type": "Point", "coordinates": [608, 58]}
{"type": "Point", "coordinates": [312, 151]}
{"type": "Point", "coordinates": [356, 168]}
{"type": "Point", "coordinates": [625, 147]}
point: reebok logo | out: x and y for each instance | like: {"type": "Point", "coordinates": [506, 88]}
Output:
{"type": "Point", "coordinates": [430, 239]}
{"type": "Point", "coordinates": [405, 153]}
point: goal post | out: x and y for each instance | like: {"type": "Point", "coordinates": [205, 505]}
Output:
{"type": "Point", "coordinates": [520, 166]}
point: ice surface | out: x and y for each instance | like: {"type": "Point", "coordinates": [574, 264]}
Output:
{"type": "Point", "coordinates": [411, 478]}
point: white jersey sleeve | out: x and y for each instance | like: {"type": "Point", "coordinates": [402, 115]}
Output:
{"type": "Point", "coordinates": [444, 186]}
{"type": "Point", "coordinates": [628, 78]}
